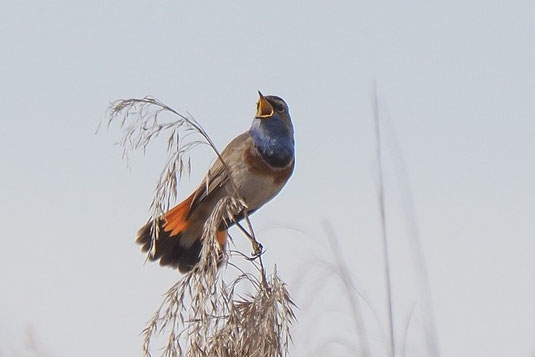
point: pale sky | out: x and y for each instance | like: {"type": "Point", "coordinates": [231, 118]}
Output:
{"type": "Point", "coordinates": [456, 83]}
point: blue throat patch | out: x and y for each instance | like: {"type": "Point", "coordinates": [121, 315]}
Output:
{"type": "Point", "coordinates": [274, 139]}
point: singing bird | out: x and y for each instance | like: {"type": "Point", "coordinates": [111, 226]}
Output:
{"type": "Point", "coordinates": [260, 162]}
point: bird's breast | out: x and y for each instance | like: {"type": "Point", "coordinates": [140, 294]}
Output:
{"type": "Point", "coordinates": [261, 182]}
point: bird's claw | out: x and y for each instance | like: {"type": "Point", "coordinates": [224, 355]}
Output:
{"type": "Point", "coordinates": [258, 250]}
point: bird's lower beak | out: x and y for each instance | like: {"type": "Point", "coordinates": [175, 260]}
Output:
{"type": "Point", "coordinates": [263, 108]}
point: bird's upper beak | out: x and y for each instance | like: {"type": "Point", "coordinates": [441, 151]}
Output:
{"type": "Point", "coordinates": [263, 108]}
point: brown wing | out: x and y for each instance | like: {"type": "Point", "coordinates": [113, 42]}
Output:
{"type": "Point", "coordinates": [217, 176]}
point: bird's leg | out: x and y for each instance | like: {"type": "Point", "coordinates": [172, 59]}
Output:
{"type": "Point", "coordinates": [258, 250]}
{"type": "Point", "coordinates": [249, 233]}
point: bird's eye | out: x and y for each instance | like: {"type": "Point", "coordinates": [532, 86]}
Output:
{"type": "Point", "coordinates": [280, 108]}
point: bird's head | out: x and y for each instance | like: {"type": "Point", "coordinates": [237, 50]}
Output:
{"type": "Point", "coordinates": [271, 106]}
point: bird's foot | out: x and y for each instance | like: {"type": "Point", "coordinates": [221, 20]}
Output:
{"type": "Point", "coordinates": [258, 250]}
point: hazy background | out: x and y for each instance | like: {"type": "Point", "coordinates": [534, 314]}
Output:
{"type": "Point", "coordinates": [456, 83]}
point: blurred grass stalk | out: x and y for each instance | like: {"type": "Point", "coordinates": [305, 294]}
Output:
{"type": "Point", "coordinates": [425, 301]}
{"type": "Point", "coordinates": [395, 343]}
{"type": "Point", "coordinates": [396, 346]}
{"type": "Point", "coordinates": [382, 211]}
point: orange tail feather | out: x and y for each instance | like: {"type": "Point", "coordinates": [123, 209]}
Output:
{"type": "Point", "coordinates": [176, 219]}
{"type": "Point", "coordinates": [221, 237]}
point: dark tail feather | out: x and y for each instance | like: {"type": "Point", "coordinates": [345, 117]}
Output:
{"type": "Point", "coordinates": [168, 250]}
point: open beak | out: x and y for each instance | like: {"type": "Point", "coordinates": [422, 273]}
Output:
{"type": "Point", "coordinates": [263, 108]}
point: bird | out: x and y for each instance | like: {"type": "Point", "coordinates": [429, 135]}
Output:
{"type": "Point", "coordinates": [258, 162]}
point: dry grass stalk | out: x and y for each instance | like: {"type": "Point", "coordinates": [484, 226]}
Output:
{"type": "Point", "coordinates": [204, 315]}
